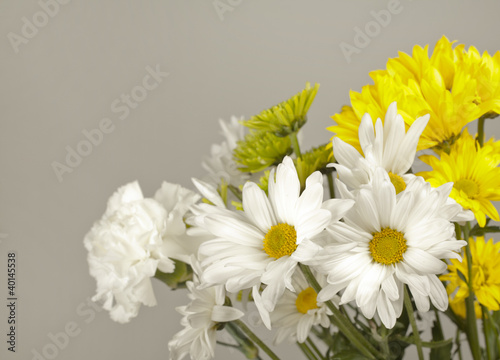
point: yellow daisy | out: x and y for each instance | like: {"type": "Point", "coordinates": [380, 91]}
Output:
{"type": "Point", "coordinates": [473, 171]}
{"type": "Point", "coordinates": [420, 85]}
{"type": "Point", "coordinates": [485, 273]}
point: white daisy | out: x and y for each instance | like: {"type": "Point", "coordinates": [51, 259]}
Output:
{"type": "Point", "coordinates": [264, 243]}
{"type": "Point", "coordinates": [201, 320]}
{"type": "Point", "coordinates": [220, 163]}
{"type": "Point", "coordinates": [399, 240]}
{"type": "Point", "coordinates": [387, 146]}
{"type": "Point", "coordinates": [297, 312]}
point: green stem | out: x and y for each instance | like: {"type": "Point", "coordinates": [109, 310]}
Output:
{"type": "Point", "coordinates": [245, 346]}
{"type": "Point", "coordinates": [472, 334]}
{"type": "Point", "coordinates": [458, 231]}
{"type": "Point", "coordinates": [256, 339]}
{"type": "Point", "coordinates": [343, 323]}
{"type": "Point", "coordinates": [438, 324]}
{"type": "Point", "coordinates": [459, 346]}
{"type": "Point", "coordinates": [425, 344]}
{"type": "Point", "coordinates": [313, 346]}
{"type": "Point", "coordinates": [411, 317]}
{"type": "Point", "coordinates": [384, 341]}
{"type": "Point", "coordinates": [307, 352]}
{"type": "Point", "coordinates": [480, 130]}
{"type": "Point", "coordinates": [486, 330]}
{"type": "Point", "coordinates": [295, 144]}
{"type": "Point", "coordinates": [329, 176]}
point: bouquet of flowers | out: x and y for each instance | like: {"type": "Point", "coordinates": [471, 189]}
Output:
{"type": "Point", "coordinates": [342, 249]}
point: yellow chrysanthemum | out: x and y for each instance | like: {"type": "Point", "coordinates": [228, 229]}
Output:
{"type": "Point", "coordinates": [485, 71]}
{"type": "Point", "coordinates": [473, 171]}
{"type": "Point", "coordinates": [485, 276]}
{"type": "Point", "coordinates": [420, 85]}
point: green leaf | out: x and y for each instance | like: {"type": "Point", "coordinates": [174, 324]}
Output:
{"type": "Point", "coordinates": [495, 317]}
{"type": "Point", "coordinates": [491, 328]}
{"type": "Point", "coordinates": [340, 343]}
{"type": "Point", "coordinates": [427, 344]}
{"type": "Point", "coordinates": [348, 355]}
{"type": "Point", "coordinates": [481, 231]}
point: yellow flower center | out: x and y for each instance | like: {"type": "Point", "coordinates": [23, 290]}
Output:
{"type": "Point", "coordinates": [398, 182]}
{"type": "Point", "coordinates": [280, 240]}
{"type": "Point", "coordinates": [306, 300]}
{"type": "Point", "coordinates": [469, 187]}
{"type": "Point", "coordinates": [387, 246]}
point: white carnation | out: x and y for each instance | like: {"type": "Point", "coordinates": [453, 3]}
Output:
{"type": "Point", "coordinates": [134, 238]}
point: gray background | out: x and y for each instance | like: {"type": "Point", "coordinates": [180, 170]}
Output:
{"type": "Point", "coordinates": [64, 79]}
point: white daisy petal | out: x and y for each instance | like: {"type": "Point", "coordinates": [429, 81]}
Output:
{"type": "Point", "coordinates": [228, 227]}
{"type": "Point", "coordinates": [408, 147]}
{"type": "Point", "coordinates": [312, 223]}
{"type": "Point", "coordinates": [345, 153]}
{"type": "Point", "coordinates": [386, 311]}
{"type": "Point", "coordinates": [310, 200]}
{"type": "Point", "coordinates": [391, 288]}
{"type": "Point", "coordinates": [438, 293]}
{"type": "Point", "coordinates": [264, 314]}
{"type": "Point", "coordinates": [366, 132]}
{"type": "Point", "coordinates": [338, 207]}
{"type": "Point", "coordinates": [315, 178]}
{"type": "Point", "coordinates": [421, 301]}
{"type": "Point", "coordinates": [225, 313]}
{"type": "Point", "coordinates": [419, 259]}
{"type": "Point", "coordinates": [257, 207]}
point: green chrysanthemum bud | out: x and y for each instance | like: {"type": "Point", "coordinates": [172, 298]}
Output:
{"type": "Point", "coordinates": [286, 117]}
{"type": "Point", "coordinates": [260, 150]}
{"type": "Point", "coordinates": [313, 160]}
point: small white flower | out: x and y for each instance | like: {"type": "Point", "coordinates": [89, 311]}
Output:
{"type": "Point", "coordinates": [387, 145]}
{"type": "Point", "coordinates": [264, 243]}
{"type": "Point", "coordinates": [398, 240]}
{"type": "Point", "coordinates": [177, 244]}
{"type": "Point", "coordinates": [220, 163]}
{"type": "Point", "coordinates": [297, 312]}
{"type": "Point", "coordinates": [201, 319]}
{"type": "Point", "coordinates": [198, 228]}
{"type": "Point", "coordinates": [134, 238]}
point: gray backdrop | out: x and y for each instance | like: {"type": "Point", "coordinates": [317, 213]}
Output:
{"type": "Point", "coordinates": [64, 68]}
